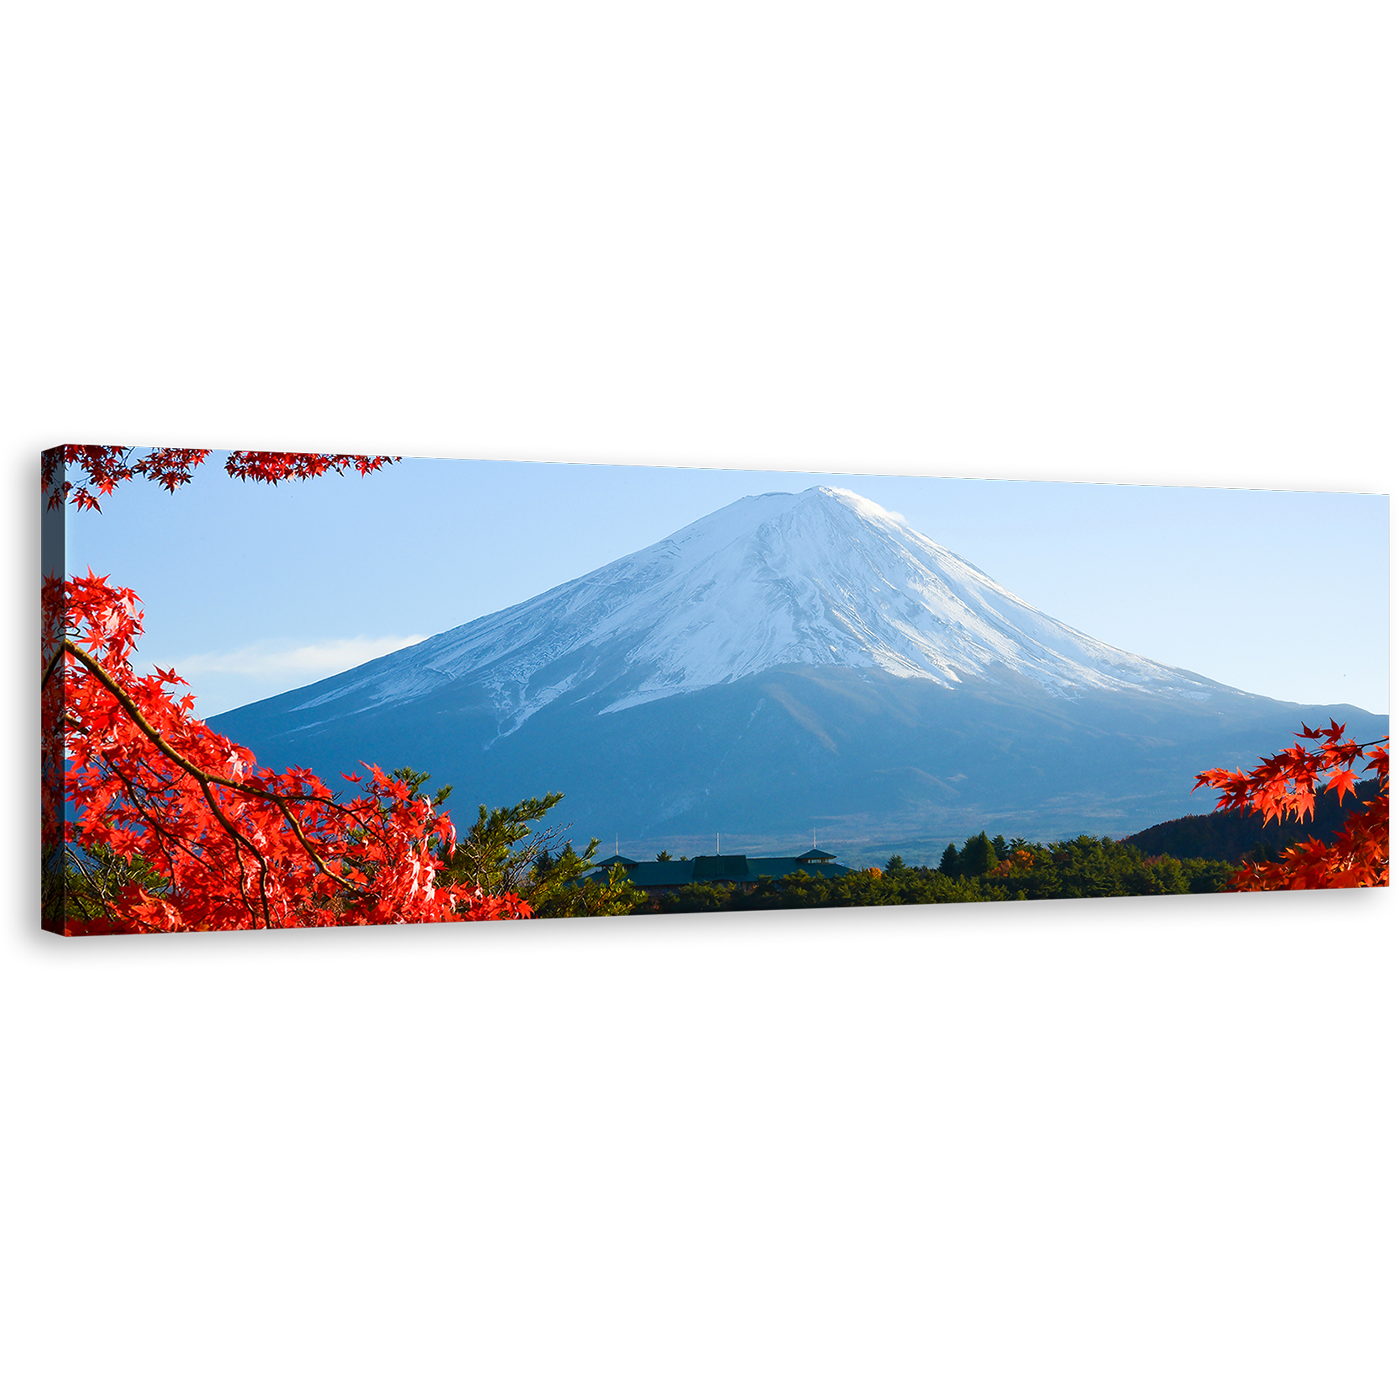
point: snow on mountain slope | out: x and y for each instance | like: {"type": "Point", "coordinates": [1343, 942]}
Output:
{"type": "Point", "coordinates": [824, 577]}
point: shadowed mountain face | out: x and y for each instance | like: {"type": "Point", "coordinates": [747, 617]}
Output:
{"type": "Point", "coordinates": [790, 660]}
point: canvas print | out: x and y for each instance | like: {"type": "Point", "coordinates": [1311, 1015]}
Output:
{"type": "Point", "coordinates": [289, 689]}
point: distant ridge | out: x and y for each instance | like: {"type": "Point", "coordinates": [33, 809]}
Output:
{"type": "Point", "coordinates": [1234, 835]}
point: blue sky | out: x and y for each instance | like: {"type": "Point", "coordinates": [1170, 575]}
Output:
{"type": "Point", "coordinates": [251, 590]}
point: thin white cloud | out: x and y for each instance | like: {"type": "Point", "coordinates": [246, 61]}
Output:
{"type": "Point", "coordinates": [324, 658]}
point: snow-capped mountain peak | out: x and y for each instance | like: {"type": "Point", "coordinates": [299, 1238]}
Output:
{"type": "Point", "coordinates": [823, 577]}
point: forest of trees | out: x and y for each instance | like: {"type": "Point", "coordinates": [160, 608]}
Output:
{"type": "Point", "coordinates": [984, 870]}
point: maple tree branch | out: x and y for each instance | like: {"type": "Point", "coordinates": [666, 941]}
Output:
{"type": "Point", "coordinates": [205, 779]}
{"type": "Point", "coordinates": [234, 834]}
{"type": "Point", "coordinates": [238, 839]}
{"type": "Point", "coordinates": [53, 663]}
{"type": "Point", "coordinates": [163, 835]}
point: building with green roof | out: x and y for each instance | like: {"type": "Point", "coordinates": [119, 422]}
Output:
{"type": "Point", "coordinates": [667, 876]}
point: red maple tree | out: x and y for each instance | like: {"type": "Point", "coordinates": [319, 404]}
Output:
{"type": "Point", "coordinates": [73, 473]}
{"type": "Point", "coordinates": [189, 831]}
{"type": "Point", "coordinates": [1287, 785]}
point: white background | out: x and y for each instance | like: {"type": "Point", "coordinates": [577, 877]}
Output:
{"type": "Point", "coordinates": [1154, 1169]}
{"type": "Point", "coordinates": [1158, 231]}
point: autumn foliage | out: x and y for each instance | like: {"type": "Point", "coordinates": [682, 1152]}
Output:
{"type": "Point", "coordinates": [1017, 862]}
{"type": "Point", "coordinates": [1287, 785]}
{"type": "Point", "coordinates": [189, 832]}
{"type": "Point", "coordinates": [81, 475]}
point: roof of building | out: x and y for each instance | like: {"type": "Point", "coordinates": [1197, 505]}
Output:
{"type": "Point", "coordinates": [735, 870]}
{"type": "Point", "coordinates": [718, 868]}
{"type": "Point", "coordinates": [815, 854]}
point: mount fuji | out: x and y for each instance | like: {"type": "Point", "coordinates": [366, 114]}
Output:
{"type": "Point", "coordinates": [787, 661]}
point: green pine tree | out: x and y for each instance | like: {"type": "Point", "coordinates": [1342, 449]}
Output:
{"type": "Point", "coordinates": [505, 853]}
{"type": "Point", "coordinates": [500, 849]}
{"type": "Point", "coordinates": [560, 891]}
{"type": "Point", "coordinates": [415, 780]}
{"type": "Point", "coordinates": [978, 855]}
{"type": "Point", "coordinates": [1264, 851]}
{"type": "Point", "coordinates": [80, 883]}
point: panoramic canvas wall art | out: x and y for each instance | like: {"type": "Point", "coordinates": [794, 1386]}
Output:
{"type": "Point", "coordinates": [683, 681]}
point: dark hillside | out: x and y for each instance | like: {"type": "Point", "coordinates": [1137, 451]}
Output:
{"type": "Point", "coordinates": [1231, 836]}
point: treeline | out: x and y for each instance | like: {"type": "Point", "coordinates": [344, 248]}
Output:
{"type": "Point", "coordinates": [985, 870]}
